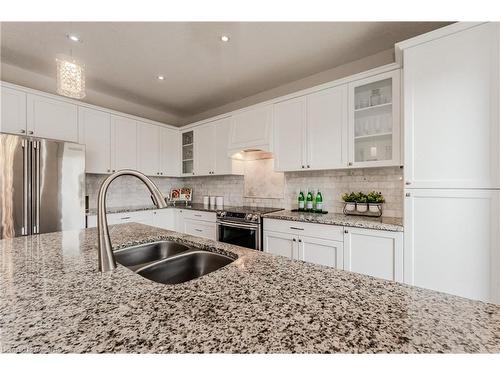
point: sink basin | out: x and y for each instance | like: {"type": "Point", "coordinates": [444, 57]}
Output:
{"type": "Point", "coordinates": [184, 267]}
{"type": "Point", "coordinates": [136, 256]}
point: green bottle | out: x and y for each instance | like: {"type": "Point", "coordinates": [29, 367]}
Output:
{"type": "Point", "coordinates": [309, 202]}
{"type": "Point", "coordinates": [301, 201]}
{"type": "Point", "coordinates": [319, 202]}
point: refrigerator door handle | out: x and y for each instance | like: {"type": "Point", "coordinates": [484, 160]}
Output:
{"type": "Point", "coordinates": [35, 186]}
{"type": "Point", "coordinates": [24, 229]}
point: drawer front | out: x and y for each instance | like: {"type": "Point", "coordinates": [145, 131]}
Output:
{"type": "Point", "coordinates": [200, 215]}
{"type": "Point", "coordinates": [328, 232]}
{"type": "Point", "coordinates": [143, 217]}
{"type": "Point", "coordinates": [200, 228]}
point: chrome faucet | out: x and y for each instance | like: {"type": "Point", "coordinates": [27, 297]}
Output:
{"type": "Point", "coordinates": [107, 260]}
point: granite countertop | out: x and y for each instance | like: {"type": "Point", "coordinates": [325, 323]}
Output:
{"type": "Point", "coordinates": [394, 224]}
{"type": "Point", "coordinates": [191, 206]}
{"type": "Point", "coordinates": [54, 300]}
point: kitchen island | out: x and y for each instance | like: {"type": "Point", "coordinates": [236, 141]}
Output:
{"type": "Point", "coordinates": [53, 300]}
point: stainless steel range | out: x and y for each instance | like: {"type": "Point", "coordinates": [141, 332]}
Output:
{"type": "Point", "coordinates": [242, 226]}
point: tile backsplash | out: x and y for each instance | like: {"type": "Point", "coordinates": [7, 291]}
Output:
{"type": "Point", "coordinates": [128, 191]}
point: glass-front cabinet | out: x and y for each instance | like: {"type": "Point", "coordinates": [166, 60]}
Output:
{"type": "Point", "coordinates": [374, 121]}
{"type": "Point", "coordinates": [187, 153]}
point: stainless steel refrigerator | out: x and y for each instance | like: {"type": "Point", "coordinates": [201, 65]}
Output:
{"type": "Point", "coordinates": [42, 186]}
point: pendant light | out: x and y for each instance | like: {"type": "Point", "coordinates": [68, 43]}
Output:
{"type": "Point", "coordinates": [70, 75]}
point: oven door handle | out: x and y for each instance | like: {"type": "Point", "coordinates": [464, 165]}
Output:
{"type": "Point", "coordinates": [238, 225]}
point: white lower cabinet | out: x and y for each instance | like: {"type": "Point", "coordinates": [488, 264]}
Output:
{"type": "Point", "coordinates": [141, 217]}
{"type": "Point", "coordinates": [452, 241]}
{"type": "Point", "coordinates": [200, 228]}
{"type": "Point", "coordinates": [376, 253]}
{"type": "Point", "coordinates": [308, 249]}
{"type": "Point", "coordinates": [164, 219]}
{"type": "Point", "coordinates": [283, 244]}
{"type": "Point", "coordinates": [319, 251]}
{"type": "Point", "coordinates": [371, 252]}
{"type": "Point", "coordinates": [314, 243]}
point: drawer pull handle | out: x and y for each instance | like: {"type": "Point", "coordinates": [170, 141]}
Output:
{"type": "Point", "coordinates": [197, 215]}
{"type": "Point", "coordinates": [198, 230]}
{"type": "Point", "coordinates": [296, 228]}
{"type": "Point", "coordinates": [125, 218]}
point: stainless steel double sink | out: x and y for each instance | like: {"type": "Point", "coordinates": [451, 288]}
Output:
{"type": "Point", "coordinates": [169, 262]}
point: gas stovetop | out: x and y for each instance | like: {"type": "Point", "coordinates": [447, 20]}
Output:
{"type": "Point", "coordinates": [245, 213]}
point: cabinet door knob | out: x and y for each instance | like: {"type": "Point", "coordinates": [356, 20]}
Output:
{"type": "Point", "coordinates": [30, 132]}
{"type": "Point", "coordinates": [346, 231]}
{"type": "Point", "coordinates": [22, 131]}
{"type": "Point", "coordinates": [350, 163]}
{"type": "Point", "coordinates": [109, 170]}
{"type": "Point", "coordinates": [302, 167]}
{"type": "Point", "coordinates": [294, 240]}
{"type": "Point", "coordinates": [408, 183]}
{"type": "Point", "coordinates": [308, 166]}
{"type": "Point", "coordinates": [408, 194]}
{"type": "Point", "coordinates": [300, 240]}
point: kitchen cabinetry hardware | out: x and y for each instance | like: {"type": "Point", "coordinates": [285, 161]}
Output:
{"type": "Point", "coordinates": [22, 131]}
{"type": "Point", "coordinates": [125, 218]}
{"type": "Point", "coordinates": [350, 163]}
{"type": "Point", "coordinates": [294, 240]}
{"type": "Point", "coordinates": [408, 194]}
{"type": "Point", "coordinates": [407, 183]}
{"type": "Point", "coordinates": [346, 231]}
{"type": "Point", "coordinates": [308, 166]}
{"type": "Point", "coordinates": [198, 230]}
{"type": "Point", "coordinates": [296, 228]}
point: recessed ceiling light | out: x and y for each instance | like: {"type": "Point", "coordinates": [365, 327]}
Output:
{"type": "Point", "coordinates": [73, 37]}
{"type": "Point", "coordinates": [160, 78]}
{"type": "Point", "coordinates": [224, 38]}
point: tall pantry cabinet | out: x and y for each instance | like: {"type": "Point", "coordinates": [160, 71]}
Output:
{"type": "Point", "coordinates": [452, 160]}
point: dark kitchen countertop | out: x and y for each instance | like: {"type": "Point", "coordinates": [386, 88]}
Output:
{"type": "Point", "coordinates": [54, 300]}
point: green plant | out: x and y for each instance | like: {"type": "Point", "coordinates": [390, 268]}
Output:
{"type": "Point", "coordinates": [349, 197]}
{"type": "Point", "coordinates": [361, 198]}
{"type": "Point", "coordinates": [375, 197]}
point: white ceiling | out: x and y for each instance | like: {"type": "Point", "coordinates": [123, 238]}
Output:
{"type": "Point", "coordinates": [123, 59]}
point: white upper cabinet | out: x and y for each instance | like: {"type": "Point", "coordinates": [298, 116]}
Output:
{"type": "Point", "coordinates": [223, 163]}
{"type": "Point", "coordinates": [451, 110]}
{"type": "Point", "coordinates": [290, 134]}
{"type": "Point", "coordinates": [204, 150]}
{"type": "Point", "coordinates": [170, 152]}
{"type": "Point", "coordinates": [376, 253]}
{"type": "Point", "coordinates": [452, 241]}
{"type": "Point", "coordinates": [374, 121]}
{"type": "Point", "coordinates": [51, 118]}
{"type": "Point", "coordinates": [124, 145]}
{"type": "Point", "coordinates": [148, 149]}
{"type": "Point", "coordinates": [12, 111]}
{"type": "Point", "coordinates": [310, 132]}
{"type": "Point", "coordinates": [95, 133]}
{"type": "Point", "coordinates": [187, 153]}
{"type": "Point", "coordinates": [252, 129]}
{"type": "Point", "coordinates": [327, 128]}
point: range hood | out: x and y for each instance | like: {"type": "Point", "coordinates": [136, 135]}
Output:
{"type": "Point", "coordinates": [251, 154]}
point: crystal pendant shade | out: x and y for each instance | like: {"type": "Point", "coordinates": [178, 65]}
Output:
{"type": "Point", "coordinates": [70, 78]}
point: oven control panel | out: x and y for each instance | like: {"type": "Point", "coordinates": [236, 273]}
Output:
{"type": "Point", "coordinates": [238, 216]}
